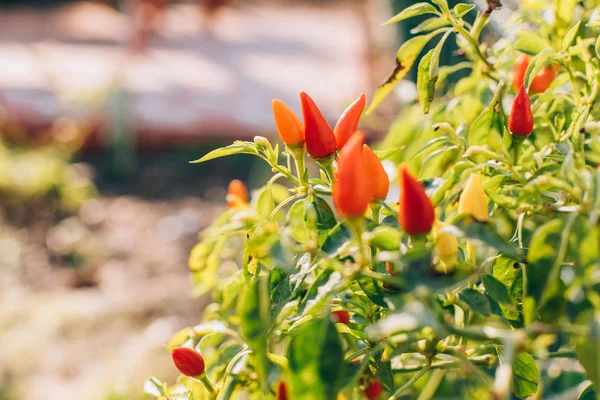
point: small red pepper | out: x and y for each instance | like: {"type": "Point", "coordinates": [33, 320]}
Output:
{"type": "Point", "coordinates": [389, 268]}
{"type": "Point", "coordinates": [320, 140]}
{"type": "Point", "coordinates": [282, 391]}
{"type": "Point", "coordinates": [341, 317]}
{"type": "Point", "coordinates": [237, 194]}
{"type": "Point", "coordinates": [540, 83]}
{"type": "Point", "coordinates": [520, 122]}
{"type": "Point", "coordinates": [416, 214]}
{"type": "Point", "coordinates": [348, 122]}
{"type": "Point", "coordinates": [373, 389]}
{"type": "Point", "coordinates": [352, 190]}
{"type": "Point", "coordinates": [288, 125]}
{"type": "Point", "coordinates": [380, 182]}
{"type": "Point", "coordinates": [188, 361]}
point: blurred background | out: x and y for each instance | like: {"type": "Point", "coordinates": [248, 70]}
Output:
{"type": "Point", "coordinates": [102, 105]}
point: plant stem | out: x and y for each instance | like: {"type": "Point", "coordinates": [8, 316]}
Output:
{"type": "Point", "coordinates": [480, 360]}
{"type": "Point", "coordinates": [411, 381]}
{"type": "Point", "coordinates": [356, 230]}
{"type": "Point", "coordinates": [327, 164]}
{"type": "Point", "coordinates": [212, 394]}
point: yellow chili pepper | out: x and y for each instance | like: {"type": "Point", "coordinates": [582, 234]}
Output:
{"type": "Point", "coordinates": [446, 248]}
{"type": "Point", "coordinates": [473, 200]}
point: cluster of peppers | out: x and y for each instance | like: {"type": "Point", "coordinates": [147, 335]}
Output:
{"type": "Point", "coordinates": [360, 181]}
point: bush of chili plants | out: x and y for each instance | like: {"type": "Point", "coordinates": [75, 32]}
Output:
{"type": "Point", "coordinates": [480, 280]}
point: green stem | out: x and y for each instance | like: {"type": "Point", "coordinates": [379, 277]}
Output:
{"type": "Point", "coordinates": [327, 164]}
{"type": "Point", "coordinates": [411, 381]}
{"type": "Point", "coordinates": [298, 152]}
{"type": "Point", "coordinates": [356, 229]}
{"type": "Point", "coordinates": [212, 394]}
{"type": "Point", "coordinates": [480, 360]}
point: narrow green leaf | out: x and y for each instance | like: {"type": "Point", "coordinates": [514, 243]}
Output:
{"type": "Point", "coordinates": [485, 232]}
{"type": "Point", "coordinates": [325, 216]}
{"type": "Point", "coordinates": [430, 24]}
{"type": "Point", "coordinates": [316, 361]}
{"type": "Point", "coordinates": [496, 289]}
{"type": "Point", "coordinates": [238, 147]}
{"type": "Point", "coordinates": [434, 64]}
{"type": "Point", "coordinates": [412, 11]}
{"type": "Point", "coordinates": [405, 58]}
{"type": "Point", "coordinates": [570, 36]}
{"type": "Point", "coordinates": [530, 43]}
{"type": "Point", "coordinates": [443, 5]}
{"type": "Point", "coordinates": [425, 87]}
{"type": "Point", "coordinates": [525, 375]}
{"type": "Point", "coordinates": [487, 129]}
{"type": "Point", "coordinates": [588, 351]}
{"type": "Point", "coordinates": [461, 9]}
{"type": "Point", "coordinates": [589, 393]}
{"type": "Point", "coordinates": [542, 255]}
{"type": "Point", "coordinates": [265, 203]}
{"type": "Point", "coordinates": [536, 64]}
{"type": "Point", "coordinates": [597, 47]}
{"type": "Point", "coordinates": [476, 301]}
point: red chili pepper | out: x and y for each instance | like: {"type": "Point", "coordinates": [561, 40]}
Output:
{"type": "Point", "coordinates": [352, 190]}
{"type": "Point", "coordinates": [540, 83]}
{"type": "Point", "coordinates": [348, 122]}
{"type": "Point", "coordinates": [380, 183]}
{"type": "Point", "coordinates": [188, 361]}
{"type": "Point", "coordinates": [520, 122]}
{"type": "Point", "coordinates": [288, 125]}
{"type": "Point", "coordinates": [416, 214]}
{"type": "Point", "coordinates": [320, 140]}
{"type": "Point", "coordinates": [373, 390]}
{"type": "Point", "coordinates": [237, 194]}
{"type": "Point", "coordinates": [282, 391]}
{"type": "Point", "coordinates": [341, 317]}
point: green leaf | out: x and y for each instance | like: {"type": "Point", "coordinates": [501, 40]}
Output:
{"type": "Point", "coordinates": [238, 147]}
{"type": "Point", "coordinates": [443, 5]}
{"type": "Point", "coordinates": [204, 263]}
{"type": "Point", "coordinates": [530, 43]}
{"type": "Point", "coordinates": [542, 255]}
{"type": "Point", "coordinates": [325, 216]}
{"type": "Point", "coordinates": [476, 301]}
{"type": "Point", "coordinates": [487, 129]}
{"type": "Point", "coordinates": [461, 9]}
{"type": "Point", "coordinates": [280, 290]}
{"type": "Point", "coordinates": [588, 393]}
{"type": "Point", "coordinates": [587, 350]}
{"type": "Point", "coordinates": [154, 387]}
{"type": "Point", "coordinates": [496, 289]}
{"type": "Point", "coordinates": [597, 47]}
{"type": "Point", "coordinates": [486, 233]}
{"type": "Point", "coordinates": [434, 64]}
{"type": "Point", "coordinates": [525, 375]}
{"type": "Point", "coordinates": [265, 204]}
{"type": "Point", "coordinates": [316, 361]}
{"type": "Point", "coordinates": [405, 58]}
{"type": "Point", "coordinates": [570, 36]}
{"type": "Point", "coordinates": [386, 238]}
{"type": "Point", "coordinates": [382, 370]}
{"type": "Point", "coordinates": [425, 86]}
{"type": "Point", "coordinates": [412, 11]}
{"type": "Point", "coordinates": [510, 273]}
{"type": "Point", "coordinates": [536, 64]}
{"type": "Point", "coordinates": [429, 25]}
{"type": "Point", "coordinates": [337, 239]}
{"type": "Point", "coordinates": [255, 321]}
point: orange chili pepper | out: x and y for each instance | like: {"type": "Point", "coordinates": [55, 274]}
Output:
{"type": "Point", "coordinates": [188, 361]}
{"type": "Point", "coordinates": [380, 182]}
{"type": "Point", "coordinates": [348, 122]}
{"type": "Point", "coordinates": [320, 140]}
{"type": "Point", "coordinates": [416, 215]}
{"type": "Point", "coordinates": [237, 194]}
{"type": "Point", "coordinates": [352, 190]}
{"type": "Point", "coordinates": [520, 122]}
{"type": "Point", "coordinates": [519, 71]}
{"type": "Point", "coordinates": [288, 125]}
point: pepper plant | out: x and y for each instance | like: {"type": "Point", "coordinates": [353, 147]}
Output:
{"type": "Point", "coordinates": [480, 280]}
